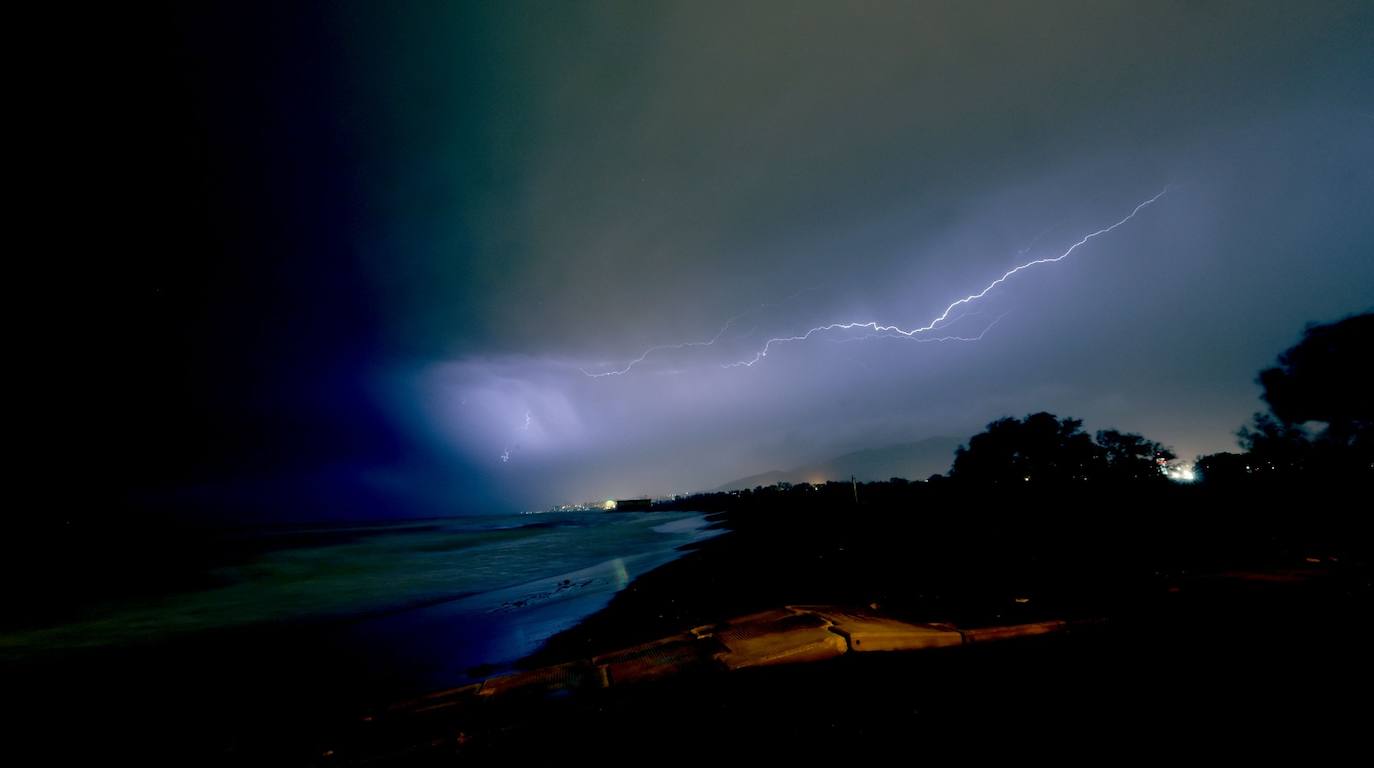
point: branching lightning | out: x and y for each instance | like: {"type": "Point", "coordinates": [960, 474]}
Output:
{"type": "Point", "coordinates": [507, 453]}
{"type": "Point", "coordinates": [917, 339]}
{"type": "Point", "coordinates": [688, 344]}
{"type": "Point", "coordinates": [661, 347]}
{"type": "Point", "coordinates": [879, 330]}
{"type": "Point", "coordinates": [894, 331]}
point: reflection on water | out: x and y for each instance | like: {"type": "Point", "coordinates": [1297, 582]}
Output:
{"type": "Point", "coordinates": [459, 592]}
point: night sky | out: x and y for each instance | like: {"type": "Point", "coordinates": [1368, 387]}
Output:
{"type": "Point", "coordinates": [357, 259]}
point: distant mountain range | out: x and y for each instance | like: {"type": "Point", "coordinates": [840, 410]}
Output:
{"type": "Point", "coordinates": [914, 461]}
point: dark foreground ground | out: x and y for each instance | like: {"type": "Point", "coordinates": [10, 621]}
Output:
{"type": "Point", "coordinates": [1224, 632]}
{"type": "Point", "coordinates": [1168, 692]}
{"type": "Point", "coordinates": [1225, 625]}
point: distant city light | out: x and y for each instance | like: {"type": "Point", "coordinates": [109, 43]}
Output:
{"type": "Point", "coordinates": [609, 505]}
{"type": "Point", "coordinates": [1183, 472]}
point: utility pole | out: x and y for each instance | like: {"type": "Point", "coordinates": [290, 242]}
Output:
{"type": "Point", "coordinates": [855, 485]}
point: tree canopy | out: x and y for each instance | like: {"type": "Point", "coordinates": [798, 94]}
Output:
{"type": "Point", "coordinates": [1044, 449]}
{"type": "Point", "coordinates": [1321, 404]}
{"type": "Point", "coordinates": [1325, 377]}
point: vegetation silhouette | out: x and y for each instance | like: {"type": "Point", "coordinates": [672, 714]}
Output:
{"type": "Point", "coordinates": [1042, 448]}
{"type": "Point", "coordinates": [1320, 424]}
{"type": "Point", "coordinates": [1318, 436]}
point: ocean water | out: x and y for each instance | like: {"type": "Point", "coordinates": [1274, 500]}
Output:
{"type": "Point", "coordinates": [404, 606]}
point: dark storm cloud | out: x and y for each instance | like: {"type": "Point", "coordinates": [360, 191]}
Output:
{"type": "Point", "coordinates": [664, 168]}
{"type": "Point", "coordinates": [714, 148]}
{"type": "Point", "coordinates": [424, 223]}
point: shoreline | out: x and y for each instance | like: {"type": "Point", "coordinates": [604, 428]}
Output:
{"type": "Point", "coordinates": [760, 564]}
{"type": "Point", "coordinates": [207, 688]}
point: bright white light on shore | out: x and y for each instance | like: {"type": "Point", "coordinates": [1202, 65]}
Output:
{"type": "Point", "coordinates": [1183, 472]}
{"type": "Point", "coordinates": [609, 505]}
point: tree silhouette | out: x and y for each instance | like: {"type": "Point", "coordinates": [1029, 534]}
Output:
{"type": "Point", "coordinates": [1273, 447]}
{"type": "Point", "coordinates": [1321, 402]}
{"type": "Point", "coordinates": [1044, 449]}
{"type": "Point", "coordinates": [1041, 448]}
{"type": "Point", "coordinates": [1224, 467]}
{"type": "Point", "coordinates": [1325, 377]}
{"type": "Point", "coordinates": [1129, 457]}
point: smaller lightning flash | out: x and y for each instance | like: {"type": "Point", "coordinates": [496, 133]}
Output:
{"type": "Point", "coordinates": [506, 454]}
{"type": "Point", "coordinates": [687, 344]}
{"type": "Point", "coordinates": [660, 348]}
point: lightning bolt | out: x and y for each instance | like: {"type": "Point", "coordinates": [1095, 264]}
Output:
{"type": "Point", "coordinates": [687, 344]}
{"type": "Point", "coordinates": [508, 452]}
{"type": "Point", "coordinates": [660, 348]}
{"type": "Point", "coordinates": [878, 330]}
{"type": "Point", "coordinates": [893, 331]}
{"type": "Point", "coordinates": [924, 340]}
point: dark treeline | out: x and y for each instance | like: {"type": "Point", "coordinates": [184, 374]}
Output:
{"type": "Point", "coordinates": [1320, 423]}
{"type": "Point", "coordinates": [1317, 438]}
